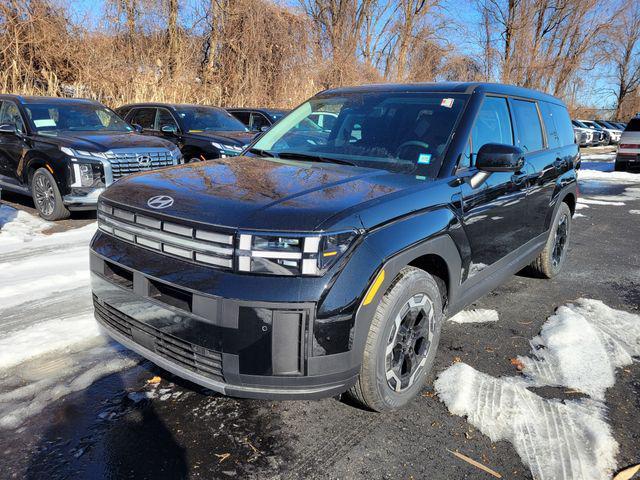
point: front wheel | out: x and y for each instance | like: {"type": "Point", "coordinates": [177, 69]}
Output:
{"type": "Point", "coordinates": [550, 261]}
{"type": "Point", "coordinates": [47, 197]}
{"type": "Point", "coordinates": [402, 342]}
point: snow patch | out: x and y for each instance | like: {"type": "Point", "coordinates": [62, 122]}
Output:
{"type": "Point", "coordinates": [17, 226]}
{"type": "Point", "coordinates": [555, 440]}
{"type": "Point", "coordinates": [634, 212]}
{"type": "Point", "coordinates": [579, 347]}
{"type": "Point", "coordinates": [591, 201]}
{"type": "Point", "coordinates": [480, 315]}
{"type": "Point", "coordinates": [611, 177]}
{"type": "Point", "coordinates": [581, 206]}
{"type": "Point", "coordinates": [578, 215]}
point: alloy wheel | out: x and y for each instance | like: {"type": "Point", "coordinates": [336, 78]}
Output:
{"type": "Point", "coordinates": [409, 342]}
{"type": "Point", "coordinates": [44, 194]}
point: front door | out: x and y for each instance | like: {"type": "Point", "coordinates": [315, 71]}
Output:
{"type": "Point", "coordinates": [494, 214]}
{"type": "Point", "coordinates": [12, 146]}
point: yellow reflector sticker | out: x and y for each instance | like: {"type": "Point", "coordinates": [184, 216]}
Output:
{"type": "Point", "coordinates": [329, 254]}
{"type": "Point", "coordinates": [374, 288]}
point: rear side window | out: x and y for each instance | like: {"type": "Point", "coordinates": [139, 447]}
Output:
{"type": "Point", "coordinates": [145, 117]}
{"type": "Point", "coordinates": [525, 115]}
{"type": "Point", "coordinates": [557, 124]}
{"type": "Point", "coordinates": [633, 125]}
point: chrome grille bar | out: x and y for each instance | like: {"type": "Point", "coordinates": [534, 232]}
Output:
{"type": "Point", "coordinates": [127, 161]}
{"type": "Point", "coordinates": [181, 241]}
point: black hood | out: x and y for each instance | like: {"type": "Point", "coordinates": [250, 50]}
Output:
{"type": "Point", "coordinates": [101, 142]}
{"type": "Point", "coordinates": [257, 193]}
{"type": "Point", "coordinates": [238, 138]}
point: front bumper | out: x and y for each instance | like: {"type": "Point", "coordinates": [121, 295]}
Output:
{"type": "Point", "coordinates": [236, 347]}
{"type": "Point", "coordinates": [89, 201]}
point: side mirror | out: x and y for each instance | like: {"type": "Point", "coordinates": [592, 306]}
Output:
{"type": "Point", "coordinates": [170, 129]}
{"type": "Point", "coordinates": [137, 127]}
{"type": "Point", "coordinates": [8, 128]}
{"type": "Point", "coordinates": [497, 157]}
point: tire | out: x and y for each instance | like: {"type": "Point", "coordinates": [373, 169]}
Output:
{"type": "Point", "coordinates": [550, 261]}
{"type": "Point", "coordinates": [46, 196]}
{"type": "Point", "coordinates": [619, 167]}
{"type": "Point", "coordinates": [377, 388]}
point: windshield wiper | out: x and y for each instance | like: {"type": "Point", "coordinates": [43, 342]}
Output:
{"type": "Point", "coordinates": [263, 153]}
{"type": "Point", "coordinates": [314, 158]}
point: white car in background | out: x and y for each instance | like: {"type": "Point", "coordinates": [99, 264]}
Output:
{"type": "Point", "coordinates": [583, 136]}
{"type": "Point", "coordinates": [628, 157]}
{"type": "Point", "coordinates": [613, 131]}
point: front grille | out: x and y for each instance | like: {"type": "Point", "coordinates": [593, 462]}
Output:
{"type": "Point", "coordinates": [187, 355]}
{"type": "Point", "coordinates": [126, 161]}
{"type": "Point", "coordinates": [206, 247]}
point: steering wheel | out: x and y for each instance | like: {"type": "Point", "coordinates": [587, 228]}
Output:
{"type": "Point", "coordinates": [411, 143]}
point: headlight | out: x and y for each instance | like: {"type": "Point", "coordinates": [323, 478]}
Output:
{"type": "Point", "coordinates": [291, 254]}
{"type": "Point", "coordinates": [86, 174]}
{"type": "Point", "coordinates": [176, 154]}
{"type": "Point", "coordinates": [227, 149]}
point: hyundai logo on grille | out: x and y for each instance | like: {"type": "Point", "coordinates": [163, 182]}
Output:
{"type": "Point", "coordinates": [144, 160]}
{"type": "Point", "coordinates": [160, 201]}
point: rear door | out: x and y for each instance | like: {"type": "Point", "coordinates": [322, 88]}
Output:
{"type": "Point", "coordinates": [494, 214]}
{"type": "Point", "coordinates": [548, 164]}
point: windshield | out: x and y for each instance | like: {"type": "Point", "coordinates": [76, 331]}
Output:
{"type": "Point", "coordinates": [72, 116]}
{"type": "Point", "coordinates": [397, 131]}
{"type": "Point", "coordinates": [203, 119]}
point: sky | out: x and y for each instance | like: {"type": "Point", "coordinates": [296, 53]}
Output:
{"type": "Point", "coordinates": [598, 94]}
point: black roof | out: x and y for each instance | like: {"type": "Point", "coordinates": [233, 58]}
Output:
{"type": "Point", "coordinates": [31, 99]}
{"type": "Point", "coordinates": [447, 87]}
{"type": "Point", "coordinates": [168, 105]}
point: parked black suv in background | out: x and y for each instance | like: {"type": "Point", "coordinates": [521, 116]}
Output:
{"type": "Point", "coordinates": [258, 119]}
{"type": "Point", "coordinates": [201, 132]}
{"type": "Point", "coordinates": [306, 270]}
{"type": "Point", "coordinates": [64, 152]}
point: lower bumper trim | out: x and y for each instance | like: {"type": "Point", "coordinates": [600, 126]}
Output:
{"type": "Point", "coordinates": [321, 391]}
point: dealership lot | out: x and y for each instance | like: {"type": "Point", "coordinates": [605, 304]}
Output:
{"type": "Point", "coordinates": [73, 404]}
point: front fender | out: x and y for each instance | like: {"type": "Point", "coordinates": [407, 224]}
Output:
{"type": "Point", "coordinates": [390, 247]}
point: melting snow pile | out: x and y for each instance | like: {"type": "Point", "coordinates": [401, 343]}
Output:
{"type": "Point", "coordinates": [480, 315]}
{"type": "Point", "coordinates": [609, 176]}
{"type": "Point", "coordinates": [579, 348]}
{"type": "Point", "coordinates": [46, 318]}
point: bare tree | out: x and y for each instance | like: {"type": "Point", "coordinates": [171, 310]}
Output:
{"type": "Point", "coordinates": [624, 41]}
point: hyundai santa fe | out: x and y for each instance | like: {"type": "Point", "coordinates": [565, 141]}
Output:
{"type": "Point", "coordinates": [326, 262]}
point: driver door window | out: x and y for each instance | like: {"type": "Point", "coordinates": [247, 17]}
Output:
{"type": "Point", "coordinates": [493, 125]}
{"type": "Point", "coordinates": [166, 119]}
{"type": "Point", "coordinates": [258, 121]}
{"type": "Point", "coordinates": [9, 114]}
{"type": "Point", "coordinates": [145, 117]}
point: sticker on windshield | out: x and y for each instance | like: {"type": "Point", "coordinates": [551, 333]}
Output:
{"type": "Point", "coordinates": [447, 102]}
{"type": "Point", "coordinates": [424, 159]}
{"type": "Point", "coordinates": [45, 122]}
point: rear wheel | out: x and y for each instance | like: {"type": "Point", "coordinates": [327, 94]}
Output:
{"type": "Point", "coordinates": [550, 261]}
{"type": "Point", "coordinates": [47, 197]}
{"type": "Point", "coordinates": [402, 342]}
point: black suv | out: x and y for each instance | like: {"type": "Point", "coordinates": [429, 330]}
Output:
{"type": "Point", "coordinates": [201, 132]}
{"type": "Point", "coordinates": [309, 269]}
{"type": "Point", "coordinates": [64, 152]}
{"type": "Point", "coordinates": [258, 119]}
